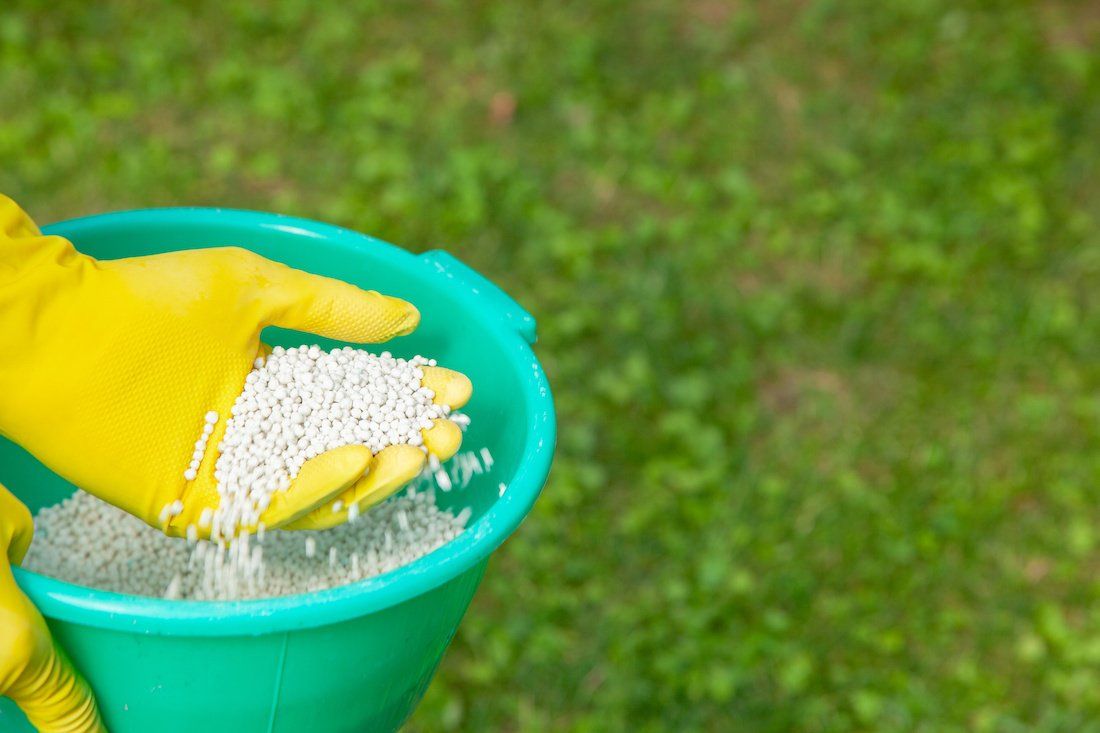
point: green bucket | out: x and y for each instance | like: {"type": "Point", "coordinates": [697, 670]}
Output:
{"type": "Point", "coordinates": [356, 658]}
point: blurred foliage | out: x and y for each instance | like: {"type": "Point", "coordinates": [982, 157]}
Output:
{"type": "Point", "coordinates": [817, 291]}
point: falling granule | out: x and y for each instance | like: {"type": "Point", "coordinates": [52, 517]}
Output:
{"type": "Point", "coordinates": [173, 590]}
{"type": "Point", "coordinates": [87, 541]}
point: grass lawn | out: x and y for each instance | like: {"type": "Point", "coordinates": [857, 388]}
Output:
{"type": "Point", "coordinates": [818, 289]}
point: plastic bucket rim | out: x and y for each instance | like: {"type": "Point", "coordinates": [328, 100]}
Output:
{"type": "Point", "coordinates": [73, 603]}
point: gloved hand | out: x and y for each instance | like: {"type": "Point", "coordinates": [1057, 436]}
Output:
{"type": "Point", "coordinates": [107, 369]}
{"type": "Point", "coordinates": [33, 670]}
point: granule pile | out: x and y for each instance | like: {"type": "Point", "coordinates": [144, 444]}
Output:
{"type": "Point", "coordinates": [299, 403]}
{"type": "Point", "coordinates": [296, 404]}
{"type": "Point", "coordinates": [87, 541]}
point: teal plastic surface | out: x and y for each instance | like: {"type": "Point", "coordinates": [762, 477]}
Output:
{"type": "Point", "coordinates": [356, 658]}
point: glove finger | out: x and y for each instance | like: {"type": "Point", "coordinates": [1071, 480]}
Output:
{"type": "Point", "coordinates": [336, 309]}
{"type": "Point", "coordinates": [443, 438]}
{"type": "Point", "coordinates": [20, 541]}
{"type": "Point", "coordinates": [16, 528]}
{"type": "Point", "coordinates": [451, 388]}
{"type": "Point", "coordinates": [56, 697]}
{"type": "Point", "coordinates": [391, 469]}
{"type": "Point", "coordinates": [34, 672]}
{"type": "Point", "coordinates": [321, 479]}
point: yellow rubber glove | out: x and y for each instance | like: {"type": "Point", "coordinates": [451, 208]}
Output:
{"type": "Point", "coordinates": [33, 670]}
{"type": "Point", "coordinates": [107, 369]}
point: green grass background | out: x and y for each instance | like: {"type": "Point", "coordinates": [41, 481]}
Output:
{"type": "Point", "coordinates": [817, 288]}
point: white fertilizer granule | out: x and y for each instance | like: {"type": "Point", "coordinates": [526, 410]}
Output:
{"type": "Point", "coordinates": [87, 541]}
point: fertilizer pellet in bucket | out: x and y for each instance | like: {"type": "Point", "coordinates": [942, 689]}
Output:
{"type": "Point", "coordinates": [86, 541]}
